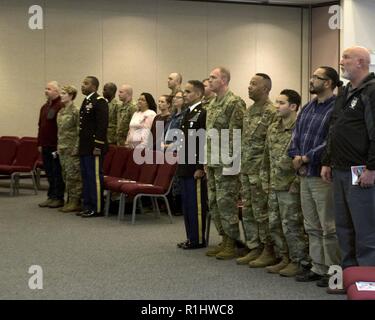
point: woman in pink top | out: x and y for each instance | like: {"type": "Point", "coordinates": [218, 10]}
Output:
{"type": "Point", "coordinates": [141, 122]}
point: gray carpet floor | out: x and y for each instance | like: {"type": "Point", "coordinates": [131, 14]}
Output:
{"type": "Point", "coordinates": [102, 258]}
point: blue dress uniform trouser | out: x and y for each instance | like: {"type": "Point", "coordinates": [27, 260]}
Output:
{"type": "Point", "coordinates": [194, 207]}
{"type": "Point", "coordinates": [355, 220]}
{"type": "Point", "coordinates": [92, 182]}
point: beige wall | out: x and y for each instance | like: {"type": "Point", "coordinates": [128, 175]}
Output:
{"type": "Point", "coordinates": [325, 44]}
{"type": "Point", "coordinates": [140, 43]}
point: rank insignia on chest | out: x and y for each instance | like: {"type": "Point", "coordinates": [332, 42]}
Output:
{"type": "Point", "coordinates": [88, 107]}
{"type": "Point", "coordinates": [353, 103]}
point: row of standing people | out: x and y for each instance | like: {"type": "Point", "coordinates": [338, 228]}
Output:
{"type": "Point", "coordinates": [275, 144]}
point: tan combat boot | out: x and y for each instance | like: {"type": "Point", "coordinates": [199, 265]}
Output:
{"type": "Point", "coordinates": [277, 267]}
{"type": "Point", "coordinates": [229, 250]}
{"type": "Point", "coordinates": [291, 270]}
{"type": "Point", "coordinates": [267, 258]}
{"type": "Point", "coordinates": [72, 206]}
{"type": "Point", "coordinates": [45, 204]}
{"type": "Point", "coordinates": [66, 205]}
{"type": "Point", "coordinates": [56, 204]}
{"type": "Point", "coordinates": [252, 255]}
{"type": "Point", "coordinates": [214, 251]}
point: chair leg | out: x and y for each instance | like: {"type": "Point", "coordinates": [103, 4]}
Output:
{"type": "Point", "coordinates": [121, 207]}
{"type": "Point", "coordinates": [37, 177]}
{"type": "Point", "coordinates": [12, 192]}
{"type": "Point", "coordinates": [140, 205]}
{"type": "Point", "coordinates": [107, 203]}
{"type": "Point", "coordinates": [208, 227]}
{"type": "Point", "coordinates": [34, 182]}
{"type": "Point", "coordinates": [16, 184]}
{"type": "Point", "coordinates": [168, 208]}
{"type": "Point", "coordinates": [134, 208]}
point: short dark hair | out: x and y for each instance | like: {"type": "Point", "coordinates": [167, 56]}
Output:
{"type": "Point", "coordinates": [293, 97]}
{"type": "Point", "coordinates": [267, 78]}
{"type": "Point", "coordinates": [168, 98]}
{"type": "Point", "coordinates": [332, 75]}
{"type": "Point", "coordinates": [94, 81]}
{"type": "Point", "coordinates": [199, 86]}
{"type": "Point", "coordinates": [150, 100]}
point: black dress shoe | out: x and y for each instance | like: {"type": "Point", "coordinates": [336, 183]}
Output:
{"type": "Point", "coordinates": [82, 212]}
{"type": "Point", "coordinates": [183, 243]}
{"type": "Point", "coordinates": [189, 246]}
{"type": "Point", "coordinates": [323, 282]}
{"type": "Point", "coordinates": [308, 276]}
{"type": "Point", "coordinates": [92, 214]}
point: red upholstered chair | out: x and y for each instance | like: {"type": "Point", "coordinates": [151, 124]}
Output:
{"type": "Point", "coordinates": [357, 274]}
{"type": "Point", "coordinates": [15, 138]}
{"type": "Point", "coordinates": [39, 163]}
{"type": "Point", "coordinates": [133, 172]}
{"type": "Point", "coordinates": [8, 150]}
{"type": "Point", "coordinates": [118, 163]}
{"type": "Point", "coordinates": [108, 159]}
{"type": "Point", "coordinates": [24, 162]}
{"type": "Point", "coordinates": [158, 189]}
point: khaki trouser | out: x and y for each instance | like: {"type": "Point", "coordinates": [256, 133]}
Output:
{"type": "Point", "coordinates": [319, 221]}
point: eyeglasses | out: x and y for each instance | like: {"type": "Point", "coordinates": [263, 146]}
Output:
{"type": "Point", "coordinates": [315, 77]}
{"type": "Point", "coordinates": [177, 97]}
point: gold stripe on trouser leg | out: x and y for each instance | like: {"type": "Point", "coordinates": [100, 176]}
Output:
{"type": "Point", "coordinates": [97, 179]}
{"type": "Point", "coordinates": [199, 207]}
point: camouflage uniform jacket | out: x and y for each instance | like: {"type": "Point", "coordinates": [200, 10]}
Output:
{"type": "Point", "coordinates": [223, 113]}
{"type": "Point", "coordinates": [113, 107]}
{"type": "Point", "coordinates": [68, 129]}
{"type": "Point", "coordinates": [124, 115]}
{"type": "Point", "coordinates": [257, 119]}
{"type": "Point", "coordinates": [277, 172]}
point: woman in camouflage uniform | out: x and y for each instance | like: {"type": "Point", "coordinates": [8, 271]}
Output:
{"type": "Point", "coordinates": [67, 148]}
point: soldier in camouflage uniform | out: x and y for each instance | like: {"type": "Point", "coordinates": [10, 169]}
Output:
{"type": "Point", "coordinates": [257, 119]}
{"type": "Point", "coordinates": [109, 92]}
{"type": "Point", "coordinates": [67, 148]}
{"type": "Point", "coordinates": [280, 180]}
{"type": "Point", "coordinates": [225, 112]}
{"type": "Point", "coordinates": [125, 113]}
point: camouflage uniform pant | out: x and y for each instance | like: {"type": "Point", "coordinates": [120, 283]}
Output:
{"type": "Point", "coordinates": [254, 213]}
{"type": "Point", "coordinates": [223, 193]}
{"type": "Point", "coordinates": [71, 173]}
{"type": "Point", "coordinates": [286, 224]}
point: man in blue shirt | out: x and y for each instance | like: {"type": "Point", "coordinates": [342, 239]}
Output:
{"type": "Point", "coordinates": [306, 149]}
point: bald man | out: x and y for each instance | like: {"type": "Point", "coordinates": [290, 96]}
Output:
{"type": "Point", "coordinates": [256, 120]}
{"type": "Point", "coordinates": [125, 113]}
{"type": "Point", "coordinates": [174, 83]}
{"type": "Point", "coordinates": [47, 145]}
{"type": "Point", "coordinates": [351, 144]}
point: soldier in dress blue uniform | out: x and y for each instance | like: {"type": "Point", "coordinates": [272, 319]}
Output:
{"type": "Point", "coordinates": [191, 167]}
{"type": "Point", "coordinates": [92, 146]}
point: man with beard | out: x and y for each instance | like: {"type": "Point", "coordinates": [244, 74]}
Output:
{"type": "Point", "coordinates": [306, 149]}
{"type": "Point", "coordinates": [352, 143]}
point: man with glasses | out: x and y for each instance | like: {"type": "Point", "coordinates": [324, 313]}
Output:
{"type": "Point", "coordinates": [306, 149]}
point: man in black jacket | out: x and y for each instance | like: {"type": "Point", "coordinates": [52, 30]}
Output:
{"type": "Point", "coordinates": [351, 143]}
{"type": "Point", "coordinates": [92, 146]}
{"type": "Point", "coordinates": [191, 168]}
